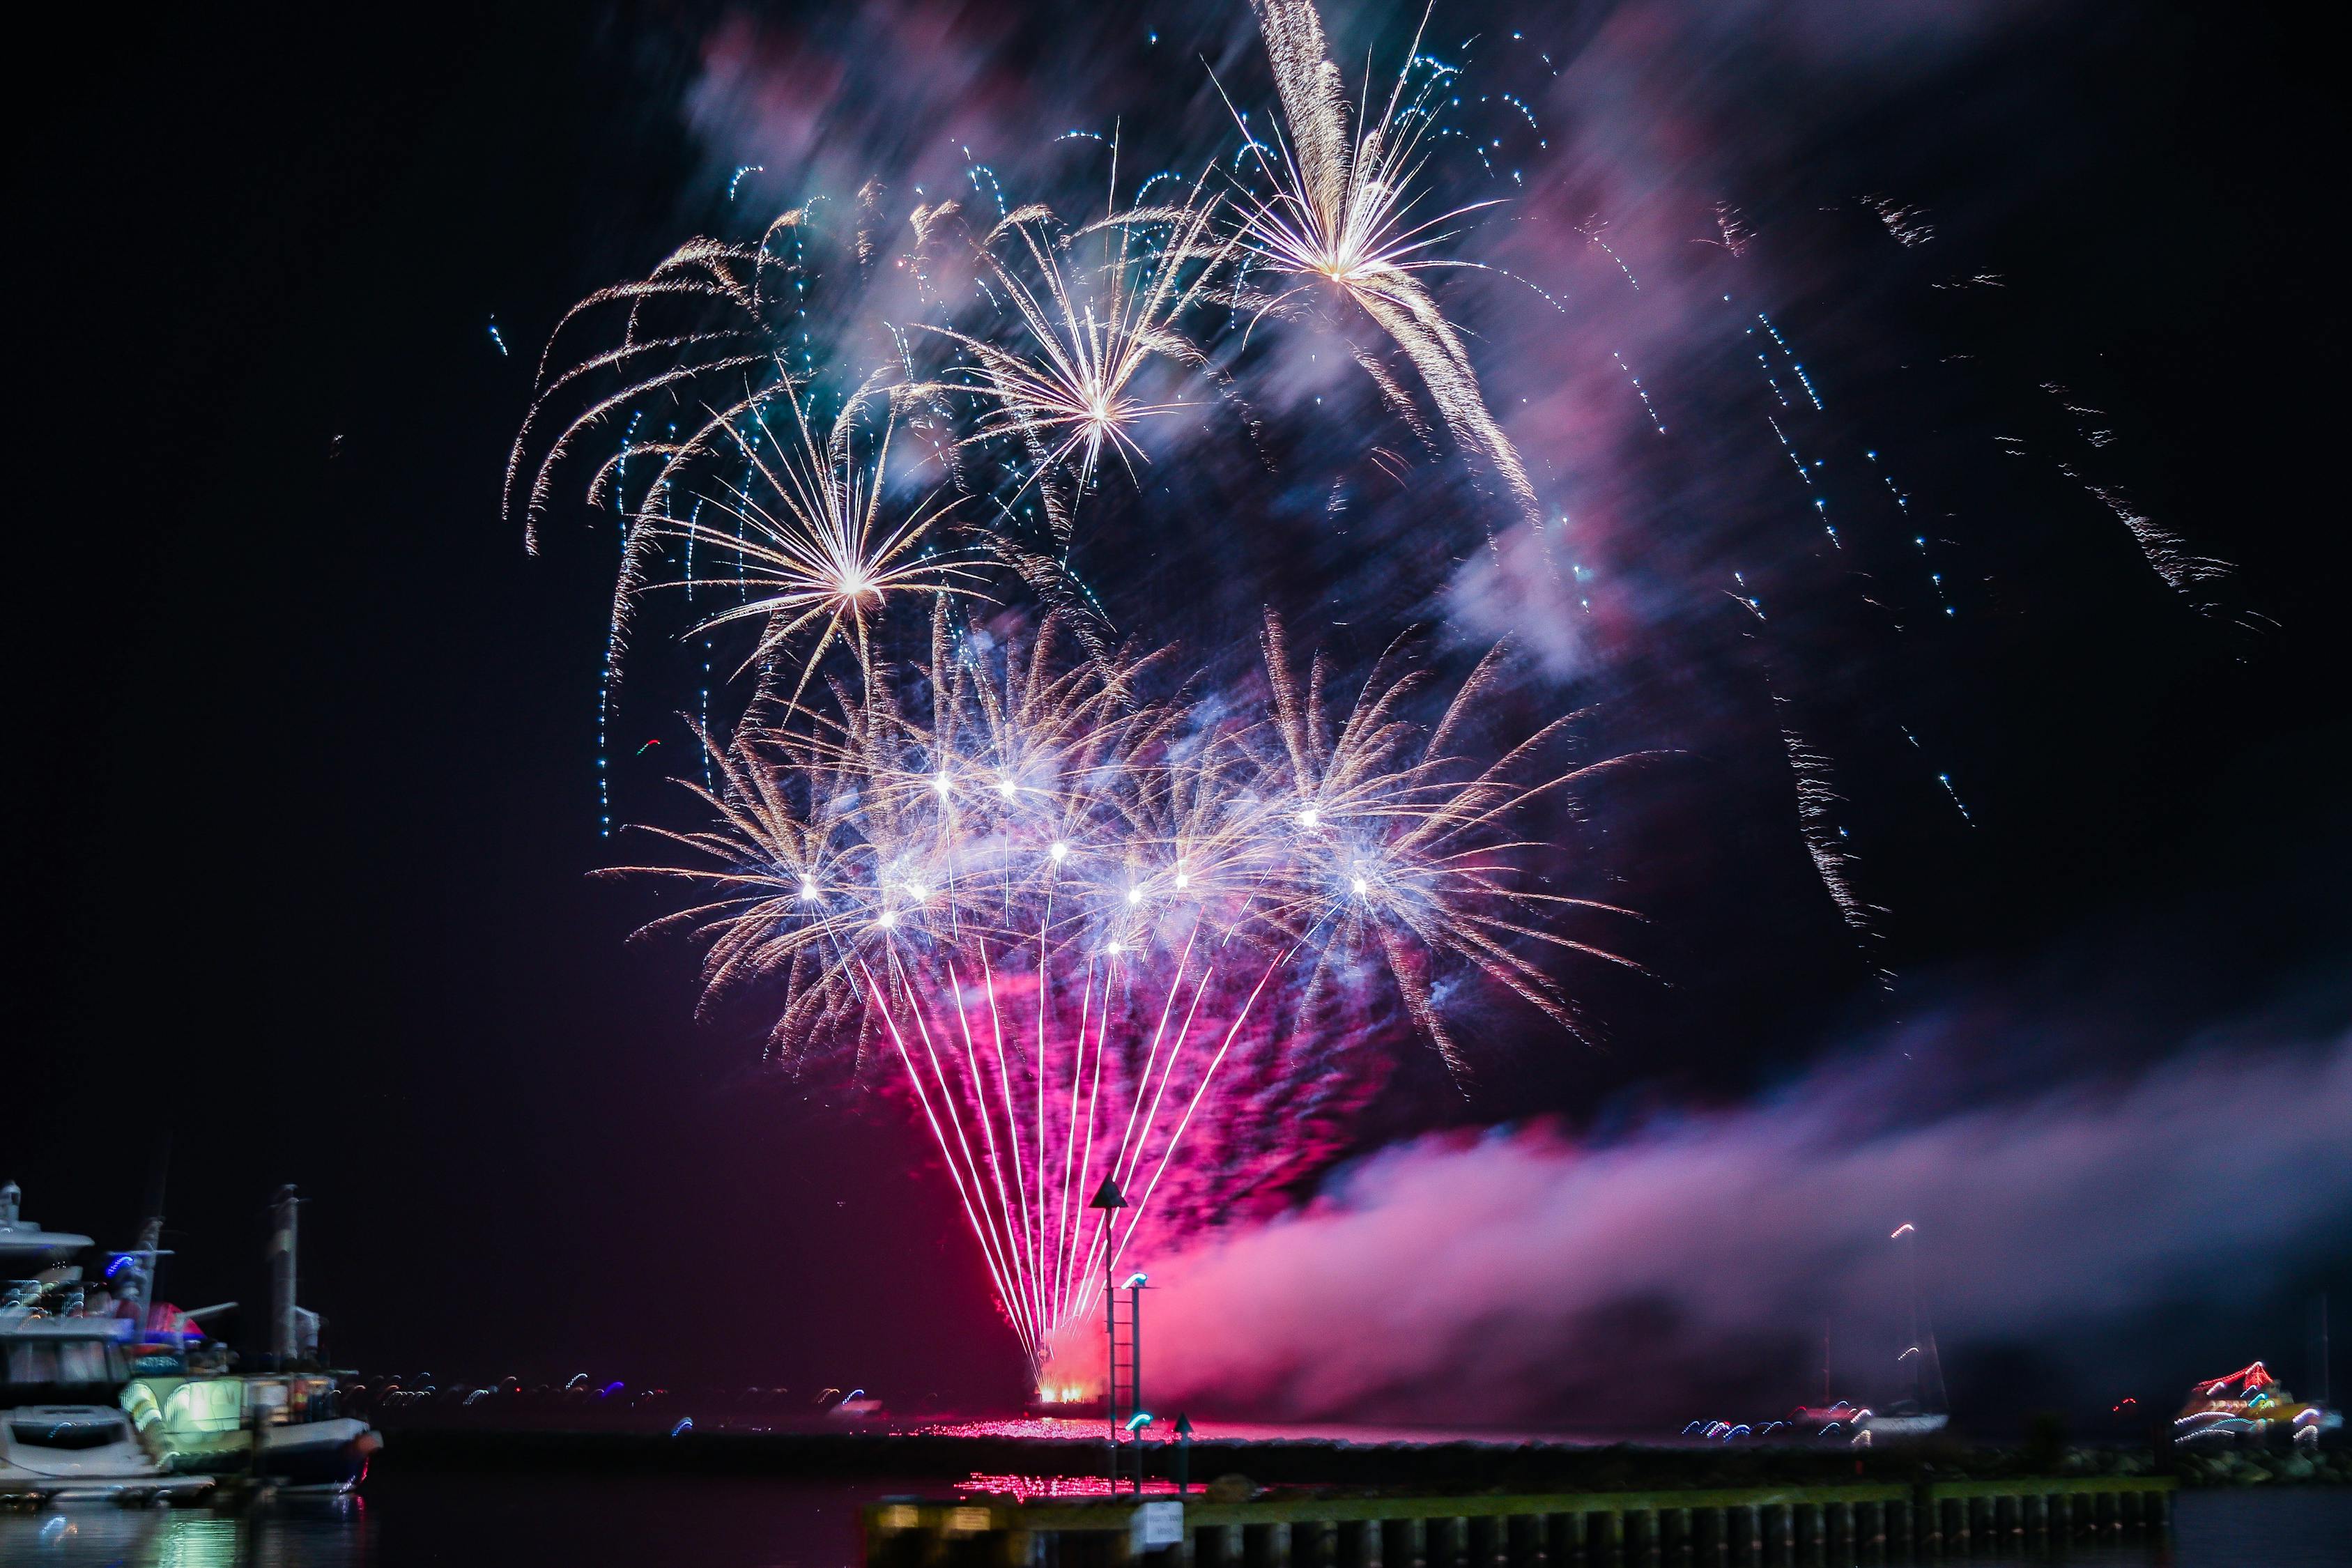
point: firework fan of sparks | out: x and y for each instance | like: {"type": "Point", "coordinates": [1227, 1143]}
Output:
{"type": "Point", "coordinates": [806, 531]}
{"type": "Point", "coordinates": [1059, 907]}
{"type": "Point", "coordinates": [1341, 217]}
{"type": "Point", "coordinates": [1076, 395]}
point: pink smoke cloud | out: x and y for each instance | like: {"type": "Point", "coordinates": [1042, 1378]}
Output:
{"type": "Point", "coordinates": [1530, 1276]}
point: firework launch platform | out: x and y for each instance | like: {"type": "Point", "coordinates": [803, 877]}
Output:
{"type": "Point", "coordinates": [1880, 1523]}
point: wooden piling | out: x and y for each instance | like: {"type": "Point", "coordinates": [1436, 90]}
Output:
{"type": "Point", "coordinates": [1691, 1529]}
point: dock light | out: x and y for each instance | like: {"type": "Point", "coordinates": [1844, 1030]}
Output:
{"type": "Point", "coordinates": [1132, 1280]}
{"type": "Point", "coordinates": [1139, 1421]}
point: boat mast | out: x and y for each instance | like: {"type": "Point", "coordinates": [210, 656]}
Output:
{"type": "Point", "coordinates": [284, 1342]}
{"type": "Point", "coordinates": [2324, 1389]}
{"type": "Point", "coordinates": [151, 1234]}
{"type": "Point", "coordinates": [1922, 1351]}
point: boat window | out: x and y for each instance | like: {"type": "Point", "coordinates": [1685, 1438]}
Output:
{"type": "Point", "coordinates": [213, 1404]}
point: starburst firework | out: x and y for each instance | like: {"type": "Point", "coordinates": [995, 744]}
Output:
{"type": "Point", "coordinates": [1091, 331]}
{"type": "Point", "coordinates": [809, 540]}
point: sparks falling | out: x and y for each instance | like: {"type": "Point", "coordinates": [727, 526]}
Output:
{"type": "Point", "coordinates": [1340, 219]}
{"type": "Point", "coordinates": [1055, 911]}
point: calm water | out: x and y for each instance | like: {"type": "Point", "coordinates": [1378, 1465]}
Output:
{"type": "Point", "coordinates": [409, 1521]}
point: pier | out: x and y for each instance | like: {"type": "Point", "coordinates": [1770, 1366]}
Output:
{"type": "Point", "coordinates": [1871, 1522]}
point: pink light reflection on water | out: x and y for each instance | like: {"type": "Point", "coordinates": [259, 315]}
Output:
{"type": "Point", "coordinates": [1092, 1429]}
{"type": "Point", "coordinates": [1026, 1488]}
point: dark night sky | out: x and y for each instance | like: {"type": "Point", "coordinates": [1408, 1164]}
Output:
{"type": "Point", "coordinates": [303, 766]}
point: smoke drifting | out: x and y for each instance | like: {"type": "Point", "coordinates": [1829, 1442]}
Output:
{"type": "Point", "coordinates": [1688, 1267]}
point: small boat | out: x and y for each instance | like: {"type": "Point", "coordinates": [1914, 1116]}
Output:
{"type": "Point", "coordinates": [1904, 1418]}
{"type": "Point", "coordinates": [1826, 1420]}
{"type": "Point", "coordinates": [855, 1405]}
{"type": "Point", "coordinates": [2249, 1402]}
{"type": "Point", "coordinates": [1924, 1414]}
{"type": "Point", "coordinates": [1861, 1424]}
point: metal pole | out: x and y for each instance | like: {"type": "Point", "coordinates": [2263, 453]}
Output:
{"type": "Point", "coordinates": [2323, 1348]}
{"type": "Point", "coordinates": [1135, 1372]}
{"type": "Point", "coordinates": [283, 1336]}
{"type": "Point", "coordinates": [1110, 1200]}
{"type": "Point", "coordinates": [1110, 1336]}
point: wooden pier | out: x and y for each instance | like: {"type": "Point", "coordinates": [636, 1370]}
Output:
{"type": "Point", "coordinates": [1883, 1522]}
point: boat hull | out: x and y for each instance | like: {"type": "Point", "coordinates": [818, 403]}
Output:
{"type": "Point", "coordinates": [317, 1456]}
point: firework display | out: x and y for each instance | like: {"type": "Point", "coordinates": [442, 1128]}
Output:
{"type": "Point", "coordinates": [1059, 908]}
{"type": "Point", "coordinates": [1090, 918]}
{"type": "Point", "coordinates": [1091, 912]}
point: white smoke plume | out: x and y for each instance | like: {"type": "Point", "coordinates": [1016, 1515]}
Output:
{"type": "Point", "coordinates": [1531, 1276]}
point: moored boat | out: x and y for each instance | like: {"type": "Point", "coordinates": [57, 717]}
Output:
{"type": "Point", "coordinates": [2249, 1402]}
{"type": "Point", "coordinates": [122, 1396]}
{"type": "Point", "coordinates": [63, 1352]}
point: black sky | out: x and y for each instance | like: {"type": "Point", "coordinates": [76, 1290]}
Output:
{"type": "Point", "coordinates": [302, 761]}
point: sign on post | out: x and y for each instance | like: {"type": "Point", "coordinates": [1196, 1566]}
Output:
{"type": "Point", "coordinates": [1156, 1524]}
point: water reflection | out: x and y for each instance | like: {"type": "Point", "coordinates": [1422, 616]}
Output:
{"type": "Point", "coordinates": [322, 1535]}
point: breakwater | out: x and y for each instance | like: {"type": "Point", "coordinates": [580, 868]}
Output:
{"type": "Point", "coordinates": [917, 1455]}
{"type": "Point", "coordinates": [1882, 1523]}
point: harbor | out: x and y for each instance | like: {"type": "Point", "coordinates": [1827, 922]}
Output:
{"type": "Point", "coordinates": [1203, 783]}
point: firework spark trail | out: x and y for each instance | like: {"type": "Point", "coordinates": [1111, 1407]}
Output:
{"type": "Point", "coordinates": [1045, 1265]}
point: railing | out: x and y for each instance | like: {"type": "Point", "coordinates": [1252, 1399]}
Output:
{"type": "Point", "coordinates": [1885, 1523]}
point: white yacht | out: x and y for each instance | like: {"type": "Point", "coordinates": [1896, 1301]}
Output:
{"type": "Point", "coordinates": [108, 1394]}
{"type": "Point", "coordinates": [65, 1348]}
